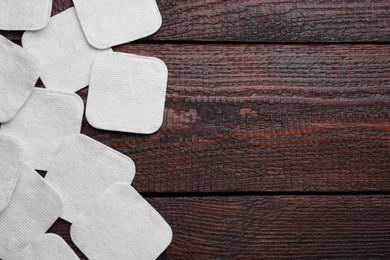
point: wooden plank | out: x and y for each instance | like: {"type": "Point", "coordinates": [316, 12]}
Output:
{"type": "Point", "coordinates": [265, 118]}
{"type": "Point", "coordinates": [268, 21]}
{"type": "Point", "coordinates": [274, 227]}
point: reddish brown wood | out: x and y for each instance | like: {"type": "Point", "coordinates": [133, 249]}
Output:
{"type": "Point", "coordinates": [266, 118]}
{"type": "Point", "coordinates": [268, 21]}
{"type": "Point", "coordinates": [274, 227]}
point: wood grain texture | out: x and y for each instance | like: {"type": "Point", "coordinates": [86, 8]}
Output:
{"type": "Point", "coordinates": [273, 227]}
{"type": "Point", "coordinates": [268, 21]}
{"type": "Point", "coordinates": [265, 118]}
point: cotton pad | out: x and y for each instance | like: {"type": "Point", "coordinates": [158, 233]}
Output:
{"type": "Point", "coordinates": [19, 71]}
{"type": "Point", "coordinates": [48, 247]}
{"type": "Point", "coordinates": [121, 225]}
{"type": "Point", "coordinates": [46, 120]}
{"type": "Point", "coordinates": [63, 51]}
{"type": "Point", "coordinates": [127, 93]}
{"type": "Point", "coordinates": [83, 169]}
{"type": "Point", "coordinates": [11, 157]}
{"type": "Point", "coordinates": [107, 23]}
{"type": "Point", "coordinates": [21, 15]}
{"type": "Point", "coordinates": [32, 210]}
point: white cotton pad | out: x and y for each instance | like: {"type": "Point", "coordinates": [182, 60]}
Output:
{"type": "Point", "coordinates": [121, 225]}
{"type": "Point", "coordinates": [63, 51]}
{"type": "Point", "coordinates": [21, 15]}
{"type": "Point", "coordinates": [83, 169]}
{"type": "Point", "coordinates": [46, 120]}
{"type": "Point", "coordinates": [19, 71]}
{"type": "Point", "coordinates": [127, 93]}
{"type": "Point", "coordinates": [11, 158]}
{"type": "Point", "coordinates": [107, 23]}
{"type": "Point", "coordinates": [48, 247]}
{"type": "Point", "coordinates": [32, 210]}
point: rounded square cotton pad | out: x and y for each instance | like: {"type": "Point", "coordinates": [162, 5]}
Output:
{"type": "Point", "coordinates": [107, 23]}
{"type": "Point", "coordinates": [11, 157]}
{"type": "Point", "coordinates": [63, 51]}
{"type": "Point", "coordinates": [19, 71]}
{"type": "Point", "coordinates": [46, 120]}
{"type": "Point", "coordinates": [121, 225]}
{"type": "Point", "coordinates": [83, 169]}
{"type": "Point", "coordinates": [32, 210]}
{"type": "Point", "coordinates": [48, 247]}
{"type": "Point", "coordinates": [21, 15]}
{"type": "Point", "coordinates": [127, 93]}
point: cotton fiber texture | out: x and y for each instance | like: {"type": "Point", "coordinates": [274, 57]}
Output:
{"type": "Point", "coordinates": [46, 120]}
{"type": "Point", "coordinates": [121, 225]}
{"type": "Point", "coordinates": [19, 71]}
{"type": "Point", "coordinates": [127, 93]}
{"type": "Point", "coordinates": [48, 247]}
{"type": "Point", "coordinates": [11, 158]}
{"type": "Point", "coordinates": [107, 23]}
{"type": "Point", "coordinates": [21, 15]}
{"type": "Point", "coordinates": [83, 169]}
{"type": "Point", "coordinates": [32, 210]}
{"type": "Point", "coordinates": [63, 51]}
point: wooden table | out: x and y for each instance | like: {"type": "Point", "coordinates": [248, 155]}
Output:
{"type": "Point", "coordinates": [275, 142]}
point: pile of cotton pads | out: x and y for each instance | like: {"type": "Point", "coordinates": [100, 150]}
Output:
{"type": "Point", "coordinates": [87, 183]}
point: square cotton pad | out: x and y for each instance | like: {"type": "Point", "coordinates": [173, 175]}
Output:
{"type": "Point", "coordinates": [63, 51]}
{"type": "Point", "coordinates": [46, 120]}
{"type": "Point", "coordinates": [11, 157]}
{"type": "Point", "coordinates": [83, 169]}
{"type": "Point", "coordinates": [107, 23]}
{"type": "Point", "coordinates": [121, 225]}
{"type": "Point", "coordinates": [127, 93]}
{"type": "Point", "coordinates": [21, 15]}
{"type": "Point", "coordinates": [19, 71]}
{"type": "Point", "coordinates": [32, 210]}
{"type": "Point", "coordinates": [48, 247]}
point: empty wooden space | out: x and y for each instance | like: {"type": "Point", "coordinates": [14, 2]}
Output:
{"type": "Point", "coordinates": [276, 134]}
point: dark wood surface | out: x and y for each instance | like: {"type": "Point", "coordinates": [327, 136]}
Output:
{"type": "Point", "coordinates": [265, 118]}
{"type": "Point", "coordinates": [276, 134]}
{"type": "Point", "coordinates": [269, 20]}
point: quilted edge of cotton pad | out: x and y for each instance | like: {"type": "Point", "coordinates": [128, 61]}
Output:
{"type": "Point", "coordinates": [38, 65]}
{"type": "Point", "coordinates": [90, 116]}
{"type": "Point", "coordinates": [79, 99]}
{"type": "Point", "coordinates": [90, 144]}
{"type": "Point", "coordinates": [54, 238]}
{"type": "Point", "coordinates": [35, 180]}
{"type": "Point", "coordinates": [42, 181]}
{"type": "Point", "coordinates": [34, 28]}
{"type": "Point", "coordinates": [99, 145]}
{"type": "Point", "coordinates": [48, 92]}
{"type": "Point", "coordinates": [118, 185]}
{"type": "Point", "coordinates": [19, 146]}
{"type": "Point", "coordinates": [53, 192]}
{"type": "Point", "coordinates": [74, 95]}
{"type": "Point", "coordinates": [134, 38]}
{"type": "Point", "coordinates": [30, 40]}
